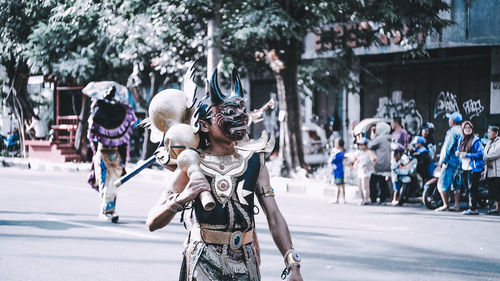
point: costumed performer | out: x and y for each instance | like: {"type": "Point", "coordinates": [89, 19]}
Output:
{"type": "Point", "coordinates": [110, 128]}
{"type": "Point", "coordinates": [222, 242]}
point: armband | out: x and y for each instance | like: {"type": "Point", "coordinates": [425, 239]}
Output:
{"type": "Point", "coordinates": [268, 191]}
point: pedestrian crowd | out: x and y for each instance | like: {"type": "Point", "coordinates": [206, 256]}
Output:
{"type": "Point", "coordinates": [386, 161]}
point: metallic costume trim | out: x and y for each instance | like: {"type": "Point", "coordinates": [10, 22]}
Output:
{"type": "Point", "coordinates": [268, 191]}
{"type": "Point", "coordinates": [234, 239]}
{"type": "Point", "coordinates": [225, 170]}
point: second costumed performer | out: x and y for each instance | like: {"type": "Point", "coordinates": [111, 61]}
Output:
{"type": "Point", "coordinates": [222, 244]}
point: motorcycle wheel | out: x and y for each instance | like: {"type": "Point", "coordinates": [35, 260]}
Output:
{"type": "Point", "coordinates": [403, 194]}
{"type": "Point", "coordinates": [431, 197]}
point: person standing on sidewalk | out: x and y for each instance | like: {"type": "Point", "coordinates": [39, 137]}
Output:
{"type": "Point", "coordinates": [450, 163]}
{"type": "Point", "coordinates": [379, 180]}
{"type": "Point", "coordinates": [338, 168]}
{"type": "Point", "coordinates": [492, 159]}
{"type": "Point", "coordinates": [470, 151]}
{"type": "Point", "coordinates": [364, 163]}
{"type": "Point", "coordinates": [399, 134]}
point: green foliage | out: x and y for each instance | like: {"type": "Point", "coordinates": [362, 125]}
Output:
{"type": "Point", "coordinates": [88, 40]}
{"type": "Point", "coordinates": [72, 43]}
{"type": "Point", "coordinates": [250, 26]}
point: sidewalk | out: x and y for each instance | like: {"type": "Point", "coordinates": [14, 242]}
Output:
{"type": "Point", "coordinates": [307, 186]}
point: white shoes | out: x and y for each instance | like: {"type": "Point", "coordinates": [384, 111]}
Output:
{"type": "Point", "coordinates": [112, 217]}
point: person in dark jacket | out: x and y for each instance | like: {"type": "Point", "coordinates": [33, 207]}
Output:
{"type": "Point", "coordinates": [470, 151]}
{"type": "Point", "coordinates": [422, 153]}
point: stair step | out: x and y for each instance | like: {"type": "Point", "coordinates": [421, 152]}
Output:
{"type": "Point", "coordinates": [64, 145]}
{"type": "Point", "coordinates": [71, 157]}
{"type": "Point", "coordinates": [66, 151]}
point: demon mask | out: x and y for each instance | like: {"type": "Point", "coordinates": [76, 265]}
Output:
{"type": "Point", "coordinates": [229, 112]}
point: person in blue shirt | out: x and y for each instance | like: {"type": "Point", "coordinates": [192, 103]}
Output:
{"type": "Point", "coordinates": [450, 163]}
{"type": "Point", "coordinates": [338, 168]}
{"type": "Point", "coordinates": [470, 150]}
{"type": "Point", "coordinates": [422, 153]}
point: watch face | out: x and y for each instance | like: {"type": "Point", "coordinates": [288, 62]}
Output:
{"type": "Point", "coordinates": [296, 257]}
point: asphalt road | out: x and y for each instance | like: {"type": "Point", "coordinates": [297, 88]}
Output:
{"type": "Point", "coordinates": [49, 231]}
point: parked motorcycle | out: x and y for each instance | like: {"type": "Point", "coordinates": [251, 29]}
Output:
{"type": "Point", "coordinates": [10, 145]}
{"type": "Point", "coordinates": [431, 197]}
{"type": "Point", "coordinates": [408, 179]}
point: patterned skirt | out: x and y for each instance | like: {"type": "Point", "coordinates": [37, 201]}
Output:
{"type": "Point", "coordinates": [204, 262]}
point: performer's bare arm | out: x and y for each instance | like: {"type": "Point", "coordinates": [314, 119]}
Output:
{"type": "Point", "coordinates": [276, 221]}
{"type": "Point", "coordinates": [161, 214]}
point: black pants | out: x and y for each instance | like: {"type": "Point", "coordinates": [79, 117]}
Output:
{"type": "Point", "coordinates": [378, 188]}
{"type": "Point", "coordinates": [470, 180]}
{"type": "Point", "coordinates": [493, 188]}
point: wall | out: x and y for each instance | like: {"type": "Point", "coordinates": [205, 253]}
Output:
{"type": "Point", "coordinates": [495, 81]}
{"type": "Point", "coordinates": [426, 91]}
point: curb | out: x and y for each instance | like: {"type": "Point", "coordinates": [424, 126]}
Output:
{"type": "Point", "coordinates": [321, 189]}
{"type": "Point", "coordinates": [73, 167]}
{"type": "Point", "coordinates": [309, 187]}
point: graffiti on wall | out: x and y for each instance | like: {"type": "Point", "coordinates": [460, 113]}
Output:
{"type": "Point", "coordinates": [473, 108]}
{"type": "Point", "coordinates": [410, 116]}
{"type": "Point", "coordinates": [446, 103]}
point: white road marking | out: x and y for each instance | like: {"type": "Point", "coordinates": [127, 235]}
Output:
{"type": "Point", "coordinates": [63, 186]}
{"type": "Point", "coordinates": [108, 228]}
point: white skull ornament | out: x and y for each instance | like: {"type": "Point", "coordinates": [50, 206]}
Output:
{"type": "Point", "coordinates": [178, 138]}
{"type": "Point", "coordinates": [169, 107]}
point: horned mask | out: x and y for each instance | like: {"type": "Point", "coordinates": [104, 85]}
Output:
{"type": "Point", "coordinates": [229, 112]}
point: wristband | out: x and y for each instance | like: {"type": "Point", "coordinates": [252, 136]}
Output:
{"type": "Point", "coordinates": [291, 258]}
{"type": "Point", "coordinates": [174, 206]}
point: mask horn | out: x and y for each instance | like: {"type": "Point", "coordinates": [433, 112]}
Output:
{"type": "Point", "coordinates": [216, 95]}
{"type": "Point", "coordinates": [236, 89]}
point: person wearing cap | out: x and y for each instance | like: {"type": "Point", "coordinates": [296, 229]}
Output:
{"type": "Point", "coordinates": [450, 163]}
{"type": "Point", "coordinates": [424, 159]}
{"type": "Point", "coordinates": [492, 161]}
{"type": "Point", "coordinates": [364, 162]}
{"type": "Point", "coordinates": [470, 151]}
{"type": "Point", "coordinates": [427, 132]}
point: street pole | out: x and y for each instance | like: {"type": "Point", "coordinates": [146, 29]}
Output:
{"type": "Point", "coordinates": [213, 47]}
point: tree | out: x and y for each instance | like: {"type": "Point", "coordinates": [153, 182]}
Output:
{"type": "Point", "coordinates": [80, 41]}
{"type": "Point", "coordinates": [19, 18]}
{"type": "Point", "coordinates": [83, 41]}
{"type": "Point", "coordinates": [253, 26]}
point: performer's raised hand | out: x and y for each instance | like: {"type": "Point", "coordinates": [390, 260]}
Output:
{"type": "Point", "coordinates": [197, 183]}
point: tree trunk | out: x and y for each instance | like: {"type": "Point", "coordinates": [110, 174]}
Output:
{"type": "Point", "coordinates": [284, 149]}
{"type": "Point", "coordinates": [289, 76]}
{"type": "Point", "coordinates": [213, 42]}
{"type": "Point", "coordinates": [18, 98]}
